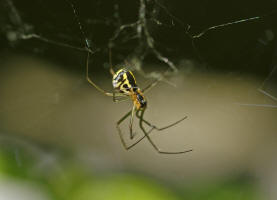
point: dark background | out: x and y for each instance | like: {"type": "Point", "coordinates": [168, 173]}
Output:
{"type": "Point", "coordinates": [247, 46]}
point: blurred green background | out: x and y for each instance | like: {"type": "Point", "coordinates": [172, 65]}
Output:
{"type": "Point", "coordinates": [58, 138]}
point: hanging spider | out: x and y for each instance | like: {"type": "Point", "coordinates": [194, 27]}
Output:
{"type": "Point", "coordinates": [125, 86]}
{"type": "Point", "coordinates": [124, 82]}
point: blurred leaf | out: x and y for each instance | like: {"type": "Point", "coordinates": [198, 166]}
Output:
{"type": "Point", "coordinates": [123, 187]}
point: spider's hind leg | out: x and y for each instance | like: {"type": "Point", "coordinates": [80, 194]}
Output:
{"type": "Point", "coordinates": [132, 134]}
{"type": "Point", "coordinates": [127, 147]}
{"type": "Point", "coordinates": [146, 134]}
{"type": "Point", "coordinates": [162, 128]}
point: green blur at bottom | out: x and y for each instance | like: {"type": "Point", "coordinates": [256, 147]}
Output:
{"type": "Point", "coordinates": [65, 180]}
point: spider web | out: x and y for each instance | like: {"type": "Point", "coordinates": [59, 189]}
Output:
{"type": "Point", "coordinates": [147, 30]}
{"type": "Point", "coordinates": [155, 31]}
{"type": "Point", "coordinates": [167, 33]}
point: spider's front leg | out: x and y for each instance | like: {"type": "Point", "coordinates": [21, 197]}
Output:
{"type": "Point", "coordinates": [92, 83]}
{"type": "Point", "coordinates": [119, 97]}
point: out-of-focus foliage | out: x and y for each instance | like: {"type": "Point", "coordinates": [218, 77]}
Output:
{"type": "Point", "coordinates": [230, 190]}
{"type": "Point", "coordinates": [71, 182]}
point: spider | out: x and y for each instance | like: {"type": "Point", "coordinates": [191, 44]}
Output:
{"type": "Point", "coordinates": [125, 87]}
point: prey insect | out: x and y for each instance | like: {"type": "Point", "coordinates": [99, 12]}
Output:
{"type": "Point", "coordinates": [125, 87]}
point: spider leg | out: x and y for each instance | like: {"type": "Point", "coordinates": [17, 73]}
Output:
{"type": "Point", "coordinates": [155, 127]}
{"type": "Point", "coordinates": [88, 50]}
{"type": "Point", "coordinates": [150, 86]}
{"type": "Point", "coordinates": [151, 141]}
{"type": "Point", "coordinates": [110, 60]}
{"type": "Point", "coordinates": [131, 122]}
{"type": "Point", "coordinates": [162, 128]}
{"type": "Point", "coordinates": [135, 143]}
{"type": "Point", "coordinates": [154, 83]}
{"type": "Point", "coordinates": [119, 97]}
{"type": "Point", "coordinates": [92, 83]}
{"type": "Point", "coordinates": [127, 147]}
{"type": "Point", "coordinates": [161, 78]}
{"type": "Point", "coordinates": [24, 36]}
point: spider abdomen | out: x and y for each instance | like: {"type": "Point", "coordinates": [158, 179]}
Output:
{"type": "Point", "coordinates": [124, 81]}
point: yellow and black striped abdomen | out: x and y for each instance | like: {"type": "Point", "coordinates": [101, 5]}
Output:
{"type": "Point", "coordinates": [124, 81]}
